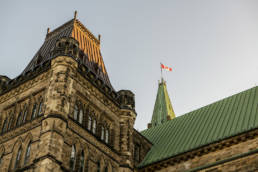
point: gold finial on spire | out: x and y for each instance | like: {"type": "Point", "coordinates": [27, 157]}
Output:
{"type": "Point", "coordinates": [99, 37]}
{"type": "Point", "coordinates": [75, 14]}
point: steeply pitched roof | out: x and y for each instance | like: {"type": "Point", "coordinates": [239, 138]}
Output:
{"type": "Point", "coordinates": [223, 119]}
{"type": "Point", "coordinates": [88, 44]}
{"type": "Point", "coordinates": [163, 109]}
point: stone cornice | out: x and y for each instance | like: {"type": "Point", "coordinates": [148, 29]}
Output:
{"type": "Point", "coordinates": [25, 82]}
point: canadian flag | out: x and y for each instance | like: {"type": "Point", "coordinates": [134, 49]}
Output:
{"type": "Point", "coordinates": [165, 67]}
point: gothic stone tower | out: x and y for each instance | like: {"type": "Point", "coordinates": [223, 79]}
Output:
{"type": "Point", "coordinates": [62, 113]}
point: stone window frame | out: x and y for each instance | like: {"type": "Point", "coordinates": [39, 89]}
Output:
{"type": "Point", "coordinates": [17, 162]}
{"type": "Point", "coordinates": [34, 111]}
{"type": "Point", "coordinates": [105, 133]}
{"type": "Point", "coordinates": [91, 113]}
{"type": "Point", "coordinates": [4, 125]}
{"type": "Point", "coordinates": [27, 154]}
{"type": "Point", "coordinates": [11, 121]}
{"type": "Point", "coordinates": [40, 110]}
{"type": "Point", "coordinates": [19, 119]}
{"type": "Point", "coordinates": [72, 161]}
{"type": "Point", "coordinates": [78, 113]}
{"type": "Point", "coordinates": [25, 113]}
{"type": "Point", "coordinates": [137, 152]}
{"type": "Point", "coordinates": [81, 167]}
{"type": "Point", "coordinates": [2, 151]}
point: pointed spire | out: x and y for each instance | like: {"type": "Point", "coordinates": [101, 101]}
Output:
{"type": "Point", "coordinates": [163, 110]}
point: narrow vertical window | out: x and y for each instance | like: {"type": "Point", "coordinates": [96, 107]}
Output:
{"type": "Point", "coordinates": [75, 113]}
{"type": "Point", "coordinates": [137, 153]}
{"type": "Point", "coordinates": [40, 108]}
{"type": "Point", "coordinates": [81, 116]}
{"type": "Point", "coordinates": [5, 125]}
{"type": "Point", "coordinates": [102, 133]}
{"type": "Point", "coordinates": [34, 111]}
{"type": "Point", "coordinates": [89, 122]}
{"type": "Point", "coordinates": [19, 120]}
{"type": "Point", "coordinates": [106, 169]}
{"type": "Point", "coordinates": [27, 155]}
{"type": "Point", "coordinates": [18, 158]}
{"type": "Point", "coordinates": [1, 157]}
{"type": "Point", "coordinates": [94, 126]}
{"type": "Point", "coordinates": [98, 166]}
{"type": "Point", "coordinates": [10, 123]}
{"type": "Point", "coordinates": [25, 115]}
{"type": "Point", "coordinates": [81, 168]}
{"type": "Point", "coordinates": [107, 136]}
{"type": "Point", "coordinates": [72, 158]}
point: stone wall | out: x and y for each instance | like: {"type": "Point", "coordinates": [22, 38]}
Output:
{"type": "Point", "coordinates": [241, 156]}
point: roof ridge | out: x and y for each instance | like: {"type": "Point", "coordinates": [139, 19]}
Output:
{"type": "Point", "coordinates": [87, 31]}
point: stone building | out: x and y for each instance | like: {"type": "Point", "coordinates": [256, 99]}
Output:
{"type": "Point", "coordinates": [62, 114]}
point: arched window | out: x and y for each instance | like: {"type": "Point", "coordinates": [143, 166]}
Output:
{"type": "Point", "coordinates": [102, 136]}
{"type": "Point", "coordinates": [89, 122]}
{"type": "Point", "coordinates": [10, 122]}
{"type": "Point", "coordinates": [1, 157]}
{"type": "Point", "coordinates": [19, 120]}
{"type": "Point", "coordinates": [40, 112]}
{"type": "Point", "coordinates": [25, 115]}
{"type": "Point", "coordinates": [81, 168]}
{"type": "Point", "coordinates": [94, 123]}
{"type": "Point", "coordinates": [98, 166]}
{"type": "Point", "coordinates": [75, 113]}
{"type": "Point", "coordinates": [73, 158]}
{"type": "Point", "coordinates": [4, 129]}
{"type": "Point", "coordinates": [80, 116]}
{"type": "Point", "coordinates": [18, 158]}
{"type": "Point", "coordinates": [107, 136]}
{"type": "Point", "coordinates": [106, 169]}
{"type": "Point", "coordinates": [27, 155]}
{"type": "Point", "coordinates": [34, 111]}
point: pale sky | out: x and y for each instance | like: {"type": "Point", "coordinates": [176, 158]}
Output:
{"type": "Point", "coordinates": [212, 45]}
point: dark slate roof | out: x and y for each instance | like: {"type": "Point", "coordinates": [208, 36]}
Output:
{"type": "Point", "coordinates": [88, 44]}
{"type": "Point", "coordinates": [223, 119]}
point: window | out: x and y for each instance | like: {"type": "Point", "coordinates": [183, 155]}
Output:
{"type": "Point", "coordinates": [10, 122]}
{"type": "Point", "coordinates": [106, 169]}
{"type": "Point", "coordinates": [102, 133]}
{"type": "Point", "coordinates": [1, 157]}
{"type": "Point", "coordinates": [94, 126]}
{"type": "Point", "coordinates": [34, 111]}
{"type": "Point", "coordinates": [27, 155]}
{"type": "Point", "coordinates": [25, 115]}
{"type": "Point", "coordinates": [89, 122]}
{"type": "Point", "coordinates": [137, 153]}
{"type": "Point", "coordinates": [5, 125]}
{"type": "Point", "coordinates": [72, 158]}
{"type": "Point", "coordinates": [18, 158]}
{"type": "Point", "coordinates": [98, 166]}
{"type": "Point", "coordinates": [19, 120]}
{"type": "Point", "coordinates": [81, 168]}
{"type": "Point", "coordinates": [75, 113]}
{"type": "Point", "coordinates": [40, 108]}
{"type": "Point", "coordinates": [80, 116]}
{"type": "Point", "coordinates": [107, 136]}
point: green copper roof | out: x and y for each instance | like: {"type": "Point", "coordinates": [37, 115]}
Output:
{"type": "Point", "coordinates": [162, 108]}
{"type": "Point", "coordinates": [220, 120]}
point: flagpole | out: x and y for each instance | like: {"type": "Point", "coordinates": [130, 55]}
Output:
{"type": "Point", "coordinates": [161, 73]}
